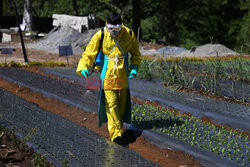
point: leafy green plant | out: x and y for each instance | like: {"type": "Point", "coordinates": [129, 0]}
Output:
{"type": "Point", "coordinates": [4, 64]}
{"type": "Point", "coordinates": [27, 138]}
{"type": "Point", "coordinates": [206, 75]}
{"type": "Point", "coordinates": [53, 64]}
{"type": "Point", "coordinates": [193, 131]}
{"type": "Point", "coordinates": [39, 161]}
{"type": "Point", "coordinates": [34, 63]}
{"type": "Point", "coordinates": [14, 64]}
{"type": "Point", "coordinates": [14, 139]}
{"type": "Point", "coordinates": [1, 136]}
{"type": "Point", "coordinates": [65, 163]}
{"type": "Point", "coordinates": [144, 71]}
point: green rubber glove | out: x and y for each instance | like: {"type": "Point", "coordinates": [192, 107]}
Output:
{"type": "Point", "coordinates": [85, 73]}
{"type": "Point", "coordinates": [134, 70]}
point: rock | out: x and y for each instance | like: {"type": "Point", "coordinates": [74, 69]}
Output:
{"type": "Point", "coordinates": [3, 146]}
{"type": "Point", "coordinates": [11, 155]}
{"type": "Point", "coordinates": [18, 156]}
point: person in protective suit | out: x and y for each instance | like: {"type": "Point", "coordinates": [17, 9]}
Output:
{"type": "Point", "coordinates": [114, 99]}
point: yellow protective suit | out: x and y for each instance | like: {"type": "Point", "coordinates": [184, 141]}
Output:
{"type": "Point", "coordinates": [115, 82]}
{"type": "Point", "coordinates": [115, 101]}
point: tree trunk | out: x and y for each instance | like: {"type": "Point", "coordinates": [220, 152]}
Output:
{"type": "Point", "coordinates": [1, 8]}
{"type": "Point", "coordinates": [136, 17]}
{"type": "Point", "coordinates": [75, 8]}
{"type": "Point", "coordinates": [27, 15]}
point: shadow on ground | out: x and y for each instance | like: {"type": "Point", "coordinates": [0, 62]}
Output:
{"type": "Point", "coordinates": [135, 131]}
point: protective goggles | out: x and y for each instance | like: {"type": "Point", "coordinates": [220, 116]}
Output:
{"type": "Point", "coordinates": [111, 27]}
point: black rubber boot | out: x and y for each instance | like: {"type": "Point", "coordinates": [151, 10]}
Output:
{"type": "Point", "coordinates": [128, 136]}
{"type": "Point", "coordinates": [120, 141]}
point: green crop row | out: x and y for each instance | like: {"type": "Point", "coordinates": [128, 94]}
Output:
{"type": "Point", "coordinates": [33, 63]}
{"type": "Point", "coordinates": [235, 68]}
{"type": "Point", "coordinates": [229, 144]}
{"type": "Point", "coordinates": [208, 76]}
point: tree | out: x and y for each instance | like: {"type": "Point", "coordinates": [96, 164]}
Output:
{"type": "Point", "coordinates": [27, 15]}
{"type": "Point", "coordinates": [136, 16]}
{"type": "Point", "coordinates": [1, 8]}
{"type": "Point", "coordinates": [243, 36]}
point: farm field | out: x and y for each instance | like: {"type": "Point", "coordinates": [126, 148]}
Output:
{"type": "Point", "coordinates": [86, 120]}
{"type": "Point", "coordinates": [163, 116]}
{"type": "Point", "coordinates": [189, 82]}
{"type": "Point", "coordinates": [185, 111]}
{"type": "Point", "coordinates": [168, 122]}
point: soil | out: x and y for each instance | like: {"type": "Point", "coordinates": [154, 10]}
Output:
{"type": "Point", "coordinates": [9, 154]}
{"type": "Point", "coordinates": [13, 154]}
{"type": "Point", "coordinates": [37, 55]}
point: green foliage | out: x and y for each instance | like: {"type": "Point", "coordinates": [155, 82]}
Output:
{"type": "Point", "coordinates": [209, 74]}
{"type": "Point", "coordinates": [189, 43]}
{"type": "Point", "coordinates": [53, 64]}
{"type": "Point", "coordinates": [190, 23]}
{"type": "Point", "coordinates": [39, 161]}
{"type": "Point", "coordinates": [23, 145]}
{"type": "Point", "coordinates": [183, 23]}
{"type": "Point", "coordinates": [244, 33]}
{"type": "Point", "coordinates": [150, 28]}
{"type": "Point", "coordinates": [34, 63]}
{"type": "Point", "coordinates": [3, 64]}
{"type": "Point", "coordinates": [14, 64]}
{"type": "Point", "coordinates": [1, 136]}
{"type": "Point", "coordinates": [65, 163]}
{"type": "Point", "coordinates": [144, 71]}
{"type": "Point", "coordinates": [193, 131]}
{"type": "Point", "coordinates": [47, 64]}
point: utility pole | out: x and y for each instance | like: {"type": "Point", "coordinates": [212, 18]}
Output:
{"type": "Point", "coordinates": [20, 33]}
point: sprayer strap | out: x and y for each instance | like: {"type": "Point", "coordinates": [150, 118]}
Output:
{"type": "Point", "coordinates": [102, 36]}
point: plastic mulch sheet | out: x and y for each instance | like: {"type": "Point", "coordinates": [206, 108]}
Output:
{"type": "Point", "coordinates": [59, 139]}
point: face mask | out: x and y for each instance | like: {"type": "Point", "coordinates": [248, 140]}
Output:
{"type": "Point", "coordinates": [113, 33]}
{"type": "Point", "coordinates": [113, 29]}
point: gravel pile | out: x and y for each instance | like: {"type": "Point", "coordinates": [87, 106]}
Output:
{"type": "Point", "coordinates": [63, 36]}
{"type": "Point", "coordinates": [208, 50]}
{"type": "Point", "coordinates": [69, 36]}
